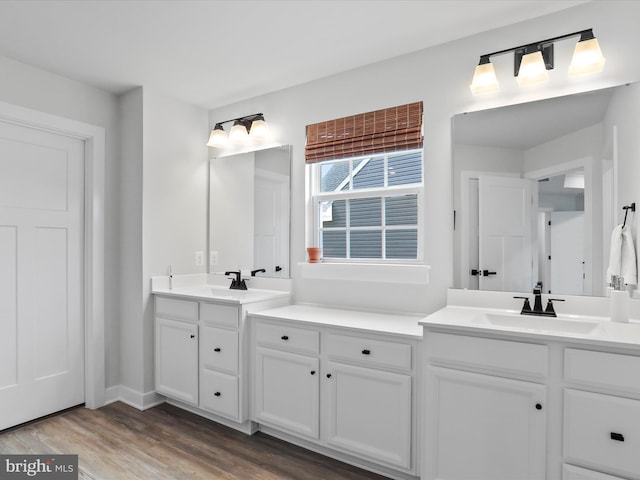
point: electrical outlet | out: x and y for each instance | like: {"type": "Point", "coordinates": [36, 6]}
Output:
{"type": "Point", "coordinates": [213, 258]}
{"type": "Point", "coordinates": [199, 258]}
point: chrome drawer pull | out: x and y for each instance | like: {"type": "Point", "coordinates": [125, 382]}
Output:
{"type": "Point", "coordinates": [617, 436]}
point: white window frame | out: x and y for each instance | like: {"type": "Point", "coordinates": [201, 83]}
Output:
{"type": "Point", "coordinates": [317, 196]}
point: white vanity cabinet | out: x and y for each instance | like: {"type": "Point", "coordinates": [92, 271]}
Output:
{"type": "Point", "coordinates": [176, 349]}
{"type": "Point", "coordinates": [485, 408]}
{"type": "Point", "coordinates": [367, 401]}
{"type": "Point", "coordinates": [601, 413]}
{"type": "Point", "coordinates": [201, 358]}
{"type": "Point", "coordinates": [347, 390]}
{"type": "Point", "coordinates": [286, 378]}
{"type": "Point", "coordinates": [219, 360]}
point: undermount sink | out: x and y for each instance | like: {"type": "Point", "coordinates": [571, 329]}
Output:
{"type": "Point", "coordinates": [537, 323]}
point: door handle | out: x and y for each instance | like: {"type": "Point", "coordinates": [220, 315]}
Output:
{"type": "Point", "coordinates": [482, 273]}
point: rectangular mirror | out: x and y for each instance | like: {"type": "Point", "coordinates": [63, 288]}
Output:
{"type": "Point", "coordinates": [249, 196]}
{"type": "Point", "coordinates": [534, 193]}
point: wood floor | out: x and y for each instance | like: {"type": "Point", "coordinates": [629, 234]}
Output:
{"type": "Point", "coordinates": [118, 442]}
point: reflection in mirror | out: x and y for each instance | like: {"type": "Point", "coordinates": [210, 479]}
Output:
{"type": "Point", "coordinates": [534, 194]}
{"type": "Point", "coordinates": [249, 212]}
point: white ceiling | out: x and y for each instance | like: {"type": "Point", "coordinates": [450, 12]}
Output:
{"type": "Point", "coordinates": [215, 52]}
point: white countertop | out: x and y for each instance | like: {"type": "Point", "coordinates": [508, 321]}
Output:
{"type": "Point", "coordinates": [593, 330]}
{"type": "Point", "coordinates": [394, 324]}
{"type": "Point", "coordinates": [220, 294]}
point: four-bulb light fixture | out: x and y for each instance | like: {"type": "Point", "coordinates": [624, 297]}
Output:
{"type": "Point", "coordinates": [250, 127]}
{"type": "Point", "coordinates": [532, 61]}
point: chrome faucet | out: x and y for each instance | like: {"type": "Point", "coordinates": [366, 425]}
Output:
{"type": "Point", "coordinates": [549, 311]}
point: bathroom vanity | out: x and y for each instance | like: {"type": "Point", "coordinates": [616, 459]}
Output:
{"type": "Point", "coordinates": [201, 343]}
{"type": "Point", "coordinates": [340, 382]}
{"type": "Point", "coordinates": [529, 397]}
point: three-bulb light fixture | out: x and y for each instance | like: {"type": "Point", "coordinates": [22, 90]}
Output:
{"type": "Point", "coordinates": [532, 61]}
{"type": "Point", "coordinates": [248, 128]}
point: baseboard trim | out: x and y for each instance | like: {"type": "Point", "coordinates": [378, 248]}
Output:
{"type": "Point", "coordinates": [133, 398]}
{"type": "Point", "coordinates": [247, 427]}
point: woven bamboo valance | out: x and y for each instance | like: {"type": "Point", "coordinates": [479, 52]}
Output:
{"type": "Point", "coordinates": [386, 130]}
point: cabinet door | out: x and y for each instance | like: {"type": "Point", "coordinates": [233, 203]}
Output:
{"type": "Point", "coordinates": [480, 426]}
{"type": "Point", "coordinates": [176, 359]}
{"type": "Point", "coordinates": [287, 391]}
{"type": "Point", "coordinates": [368, 413]}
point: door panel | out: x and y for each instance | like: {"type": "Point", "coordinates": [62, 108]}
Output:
{"type": "Point", "coordinates": [481, 426]}
{"type": "Point", "coordinates": [287, 391]}
{"type": "Point", "coordinates": [41, 291]}
{"type": "Point", "coordinates": [369, 413]}
{"type": "Point", "coordinates": [505, 233]}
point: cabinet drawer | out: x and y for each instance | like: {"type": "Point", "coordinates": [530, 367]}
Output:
{"type": "Point", "coordinates": [602, 431]}
{"type": "Point", "coordinates": [177, 309]}
{"type": "Point", "coordinates": [571, 472]}
{"type": "Point", "coordinates": [224, 315]}
{"type": "Point", "coordinates": [602, 370]}
{"type": "Point", "coordinates": [500, 356]}
{"type": "Point", "coordinates": [219, 393]}
{"type": "Point", "coordinates": [287, 337]}
{"type": "Point", "coordinates": [219, 349]}
{"type": "Point", "coordinates": [380, 353]}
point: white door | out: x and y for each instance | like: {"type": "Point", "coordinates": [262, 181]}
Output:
{"type": "Point", "coordinates": [368, 412]}
{"type": "Point", "coordinates": [567, 253]}
{"type": "Point", "coordinates": [41, 279]}
{"type": "Point", "coordinates": [271, 210]}
{"type": "Point", "coordinates": [484, 427]}
{"type": "Point", "coordinates": [287, 391]}
{"type": "Point", "coordinates": [505, 239]}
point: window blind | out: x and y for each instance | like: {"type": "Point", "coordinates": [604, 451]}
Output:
{"type": "Point", "coordinates": [386, 130]}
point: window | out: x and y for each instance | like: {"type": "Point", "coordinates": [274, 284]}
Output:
{"type": "Point", "coordinates": [367, 185]}
{"type": "Point", "coordinates": [369, 207]}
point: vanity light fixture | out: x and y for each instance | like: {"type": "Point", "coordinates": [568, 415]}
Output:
{"type": "Point", "coordinates": [531, 62]}
{"type": "Point", "coordinates": [250, 127]}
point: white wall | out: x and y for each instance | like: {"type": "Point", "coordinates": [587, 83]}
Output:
{"type": "Point", "coordinates": [439, 76]}
{"type": "Point", "coordinates": [37, 89]}
{"type": "Point", "coordinates": [163, 214]}
{"type": "Point", "coordinates": [130, 309]}
{"type": "Point", "coordinates": [174, 199]}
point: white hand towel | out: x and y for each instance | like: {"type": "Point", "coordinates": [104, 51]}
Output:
{"type": "Point", "coordinates": [622, 256]}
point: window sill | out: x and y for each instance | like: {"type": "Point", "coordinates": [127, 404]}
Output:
{"type": "Point", "coordinates": [366, 272]}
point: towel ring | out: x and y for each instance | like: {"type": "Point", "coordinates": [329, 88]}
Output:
{"type": "Point", "coordinates": [626, 209]}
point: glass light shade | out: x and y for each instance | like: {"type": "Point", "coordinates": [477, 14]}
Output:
{"type": "Point", "coordinates": [238, 133]}
{"type": "Point", "coordinates": [218, 138]}
{"type": "Point", "coordinates": [259, 130]}
{"type": "Point", "coordinates": [587, 58]}
{"type": "Point", "coordinates": [484, 79]}
{"type": "Point", "coordinates": [532, 69]}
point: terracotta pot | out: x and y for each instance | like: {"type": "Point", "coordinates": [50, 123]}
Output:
{"type": "Point", "coordinates": [315, 254]}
